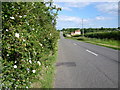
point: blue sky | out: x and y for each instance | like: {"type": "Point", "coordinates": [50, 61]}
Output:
{"type": "Point", "coordinates": [94, 14]}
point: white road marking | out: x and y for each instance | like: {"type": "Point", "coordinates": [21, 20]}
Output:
{"type": "Point", "coordinates": [74, 43]}
{"type": "Point", "coordinates": [92, 52]}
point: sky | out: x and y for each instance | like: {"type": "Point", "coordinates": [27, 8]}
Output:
{"type": "Point", "coordinates": [94, 14]}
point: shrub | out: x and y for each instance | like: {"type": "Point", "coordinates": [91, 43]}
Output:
{"type": "Point", "coordinates": [29, 37]}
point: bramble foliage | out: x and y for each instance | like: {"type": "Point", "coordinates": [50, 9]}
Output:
{"type": "Point", "coordinates": [28, 37]}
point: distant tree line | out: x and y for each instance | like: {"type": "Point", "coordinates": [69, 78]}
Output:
{"type": "Point", "coordinates": [88, 30]}
{"type": "Point", "coordinates": [114, 35]}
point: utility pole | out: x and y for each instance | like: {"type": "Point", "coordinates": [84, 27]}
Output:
{"type": "Point", "coordinates": [82, 27]}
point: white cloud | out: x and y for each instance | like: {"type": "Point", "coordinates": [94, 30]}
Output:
{"type": "Point", "coordinates": [111, 8]}
{"type": "Point", "coordinates": [102, 18]}
{"type": "Point", "coordinates": [71, 19]}
{"type": "Point", "coordinates": [65, 21]}
{"type": "Point", "coordinates": [62, 7]}
{"type": "Point", "coordinates": [68, 18]}
{"type": "Point", "coordinates": [67, 8]}
{"type": "Point", "coordinates": [77, 4]}
{"type": "Point", "coordinates": [68, 5]}
{"type": "Point", "coordinates": [85, 0]}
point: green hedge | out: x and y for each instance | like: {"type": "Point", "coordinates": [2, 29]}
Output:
{"type": "Point", "coordinates": [76, 35]}
{"type": "Point", "coordinates": [105, 35]}
{"type": "Point", "coordinates": [29, 37]}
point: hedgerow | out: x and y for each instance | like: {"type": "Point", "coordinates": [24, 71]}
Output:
{"type": "Point", "coordinates": [28, 37]}
{"type": "Point", "coordinates": [88, 30]}
{"type": "Point", "coordinates": [104, 35]}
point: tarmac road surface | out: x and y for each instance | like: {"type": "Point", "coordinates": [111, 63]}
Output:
{"type": "Point", "coordinates": [84, 65]}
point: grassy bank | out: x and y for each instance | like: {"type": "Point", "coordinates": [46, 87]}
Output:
{"type": "Point", "coordinates": [114, 44]}
{"type": "Point", "coordinates": [47, 74]}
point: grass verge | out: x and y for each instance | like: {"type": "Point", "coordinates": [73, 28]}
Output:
{"type": "Point", "coordinates": [114, 44]}
{"type": "Point", "coordinates": [47, 74]}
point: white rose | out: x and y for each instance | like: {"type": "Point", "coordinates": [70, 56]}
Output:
{"type": "Point", "coordinates": [30, 61]}
{"type": "Point", "coordinates": [12, 17]}
{"type": "Point", "coordinates": [39, 63]}
{"type": "Point", "coordinates": [17, 35]}
{"type": "Point", "coordinates": [15, 66]}
{"type": "Point", "coordinates": [46, 66]}
{"type": "Point", "coordinates": [6, 29]}
{"type": "Point", "coordinates": [20, 16]}
{"type": "Point", "coordinates": [33, 71]}
{"type": "Point", "coordinates": [12, 6]}
{"type": "Point", "coordinates": [40, 44]}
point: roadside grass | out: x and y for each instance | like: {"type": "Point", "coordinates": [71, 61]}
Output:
{"type": "Point", "coordinates": [46, 77]}
{"type": "Point", "coordinates": [114, 44]}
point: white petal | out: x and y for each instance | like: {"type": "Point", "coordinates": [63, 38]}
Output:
{"type": "Point", "coordinates": [20, 16]}
{"type": "Point", "coordinates": [33, 71]}
{"type": "Point", "coordinates": [17, 35]}
{"type": "Point", "coordinates": [6, 29]}
{"type": "Point", "coordinates": [15, 66]}
{"type": "Point", "coordinates": [12, 17]}
{"type": "Point", "coordinates": [40, 44]}
{"type": "Point", "coordinates": [39, 63]}
{"type": "Point", "coordinates": [30, 61]}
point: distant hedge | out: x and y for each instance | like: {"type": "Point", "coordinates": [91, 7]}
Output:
{"type": "Point", "coordinates": [88, 30]}
{"type": "Point", "coordinates": [105, 35]}
{"type": "Point", "coordinates": [76, 35]}
{"type": "Point", "coordinates": [29, 37]}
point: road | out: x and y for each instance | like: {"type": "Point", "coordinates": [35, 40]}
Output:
{"type": "Point", "coordinates": [84, 65]}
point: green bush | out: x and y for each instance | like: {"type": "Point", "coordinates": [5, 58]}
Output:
{"type": "Point", "coordinates": [29, 37]}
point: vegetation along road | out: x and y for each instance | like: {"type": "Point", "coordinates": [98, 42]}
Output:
{"type": "Point", "coordinates": [84, 65]}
